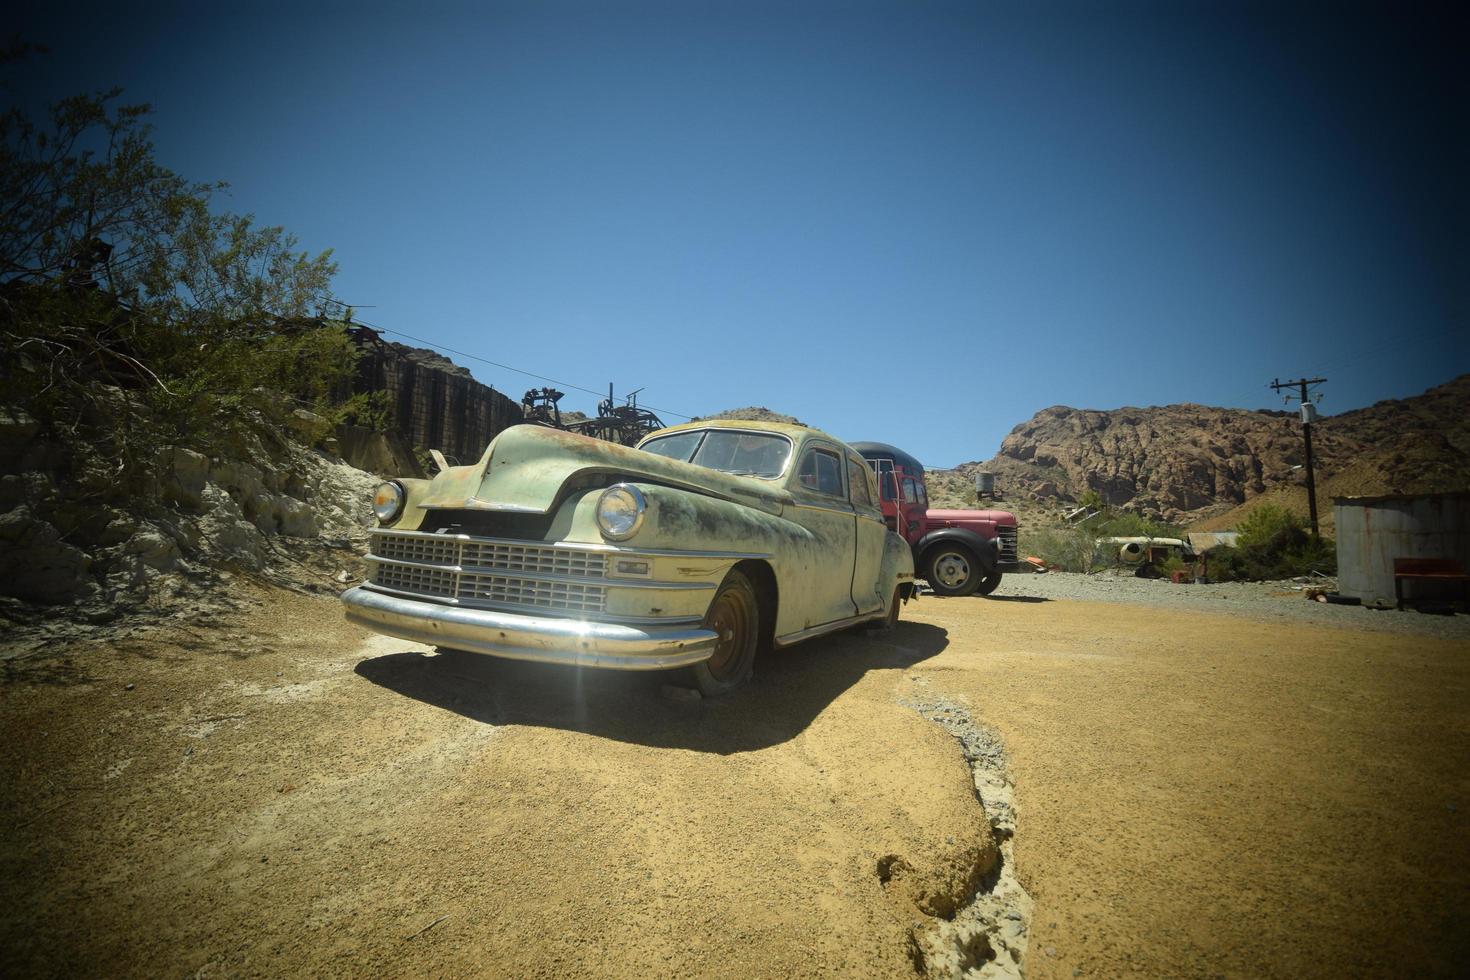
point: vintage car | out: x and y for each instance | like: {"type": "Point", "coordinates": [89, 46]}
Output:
{"type": "Point", "coordinates": [707, 541]}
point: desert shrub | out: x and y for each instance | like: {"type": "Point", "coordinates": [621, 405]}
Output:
{"type": "Point", "coordinates": [1072, 549]}
{"type": "Point", "coordinates": [1129, 525]}
{"type": "Point", "coordinates": [369, 409]}
{"type": "Point", "coordinates": [133, 315]}
{"type": "Point", "coordinates": [1172, 564]}
{"type": "Point", "coordinates": [1274, 544]}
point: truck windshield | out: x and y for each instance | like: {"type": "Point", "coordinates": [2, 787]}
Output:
{"type": "Point", "coordinates": [759, 454]}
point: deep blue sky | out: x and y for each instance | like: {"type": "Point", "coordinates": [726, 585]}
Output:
{"type": "Point", "coordinates": [911, 222]}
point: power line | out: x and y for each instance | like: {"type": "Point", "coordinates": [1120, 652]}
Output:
{"type": "Point", "coordinates": [530, 374]}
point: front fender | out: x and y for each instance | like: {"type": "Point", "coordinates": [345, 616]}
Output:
{"type": "Point", "coordinates": [986, 550]}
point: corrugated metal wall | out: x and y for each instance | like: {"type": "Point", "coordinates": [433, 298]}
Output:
{"type": "Point", "coordinates": [1373, 531]}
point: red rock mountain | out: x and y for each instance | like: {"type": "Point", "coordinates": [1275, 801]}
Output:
{"type": "Point", "coordinates": [1187, 463]}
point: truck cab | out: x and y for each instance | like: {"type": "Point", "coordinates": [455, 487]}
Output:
{"type": "Point", "coordinates": [959, 552]}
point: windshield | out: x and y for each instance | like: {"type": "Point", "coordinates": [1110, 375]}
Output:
{"type": "Point", "coordinates": [759, 454]}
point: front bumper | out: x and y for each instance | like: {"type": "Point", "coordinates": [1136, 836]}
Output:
{"type": "Point", "coordinates": [522, 637]}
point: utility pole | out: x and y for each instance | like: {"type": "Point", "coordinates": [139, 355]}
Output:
{"type": "Point", "coordinates": [1309, 412]}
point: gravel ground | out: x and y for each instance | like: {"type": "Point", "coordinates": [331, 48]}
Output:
{"type": "Point", "coordinates": [1256, 600]}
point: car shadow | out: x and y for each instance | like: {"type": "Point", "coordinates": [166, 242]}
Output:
{"type": "Point", "coordinates": [789, 689]}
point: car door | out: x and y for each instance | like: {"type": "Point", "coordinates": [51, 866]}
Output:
{"type": "Point", "coordinates": [819, 490]}
{"type": "Point", "coordinates": [872, 532]}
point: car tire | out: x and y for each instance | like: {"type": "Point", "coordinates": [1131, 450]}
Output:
{"type": "Point", "coordinates": [952, 570]}
{"type": "Point", "coordinates": [988, 584]}
{"type": "Point", "coordinates": [891, 620]}
{"type": "Point", "coordinates": [734, 613]}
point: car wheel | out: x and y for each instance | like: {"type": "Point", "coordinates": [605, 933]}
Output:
{"type": "Point", "coordinates": [891, 620]}
{"type": "Point", "coordinates": [952, 570]}
{"type": "Point", "coordinates": [734, 615]}
{"type": "Point", "coordinates": [988, 584]}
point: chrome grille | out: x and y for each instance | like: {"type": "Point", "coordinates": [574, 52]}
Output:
{"type": "Point", "coordinates": [1007, 535]}
{"type": "Point", "coordinates": [532, 558]}
{"type": "Point", "coordinates": [481, 571]}
{"type": "Point", "coordinates": [426, 550]}
{"type": "Point", "coordinates": [407, 578]}
{"type": "Point", "coordinates": [525, 592]}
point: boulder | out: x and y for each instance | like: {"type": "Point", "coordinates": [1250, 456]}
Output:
{"type": "Point", "coordinates": [296, 519]}
{"type": "Point", "coordinates": [184, 473]}
{"type": "Point", "coordinates": [154, 549]}
{"type": "Point", "coordinates": [39, 566]}
{"type": "Point", "coordinates": [16, 430]}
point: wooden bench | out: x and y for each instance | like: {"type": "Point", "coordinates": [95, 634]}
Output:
{"type": "Point", "coordinates": [1428, 570]}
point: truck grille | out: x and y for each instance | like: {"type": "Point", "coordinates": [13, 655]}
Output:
{"type": "Point", "coordinates": [486, 572]}
{"type": "Point", "coordinates": [1007, 536]}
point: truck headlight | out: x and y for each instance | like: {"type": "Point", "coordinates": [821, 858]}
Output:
{"type": "Point", "coordinates": [620, 512]}
{"type": "Point", "coordinates": [388, 502]}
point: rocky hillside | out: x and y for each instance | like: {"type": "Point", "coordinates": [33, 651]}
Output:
{"type": "Point", "coordinates": [754, 414]}
{"type": "Point", "coordinates": [86, 542]}
{"type": "Point", "coordinates": [1189, 463]}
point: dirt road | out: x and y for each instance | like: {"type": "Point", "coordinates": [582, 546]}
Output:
{"type": "Point", "coordinates": [1197, 795]}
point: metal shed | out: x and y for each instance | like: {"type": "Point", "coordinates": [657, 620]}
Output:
{"type": "Point", "coordinates": [1373, 531]}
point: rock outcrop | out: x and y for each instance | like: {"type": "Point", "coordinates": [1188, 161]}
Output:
{"type": "Point", "coordinates": [436, 403]}
{"type": "Point", "coordinates": [1186, 462]}
{"type": "Point", "coordinates": [755, 414]}
{"type": "Point", "coordinates": [80, 532]}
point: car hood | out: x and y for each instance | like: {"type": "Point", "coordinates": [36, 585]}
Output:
{"type": "Point", "coordinates": [999, 517]}
{"type": "Point", "coordinates": [526, 467]}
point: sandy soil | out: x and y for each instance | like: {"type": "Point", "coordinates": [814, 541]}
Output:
{"type": "Point", "coordinates": [1196, 794]}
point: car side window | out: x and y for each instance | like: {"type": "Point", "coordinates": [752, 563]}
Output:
{"type": "Point", "coordinates": [859, 477]}
{"type": "Point", "coordinates": [910, 491]}
{"type": "Point", "coordinates": [821, 471]}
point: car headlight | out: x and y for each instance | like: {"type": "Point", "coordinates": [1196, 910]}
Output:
{"type": "Point", "coordinates": [620, 512]}
{"type": "Point", "coordinates": [388, 502]}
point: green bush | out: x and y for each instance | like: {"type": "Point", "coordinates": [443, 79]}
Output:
{"type": "Point", "coordinates": [1068, 548]}
{"type": "Point", "coordinates": [132, 314]}
{"type": "Point", "coordinates": [1274, 544]}
{"type": "Point", "coordinates": [1130, 525]}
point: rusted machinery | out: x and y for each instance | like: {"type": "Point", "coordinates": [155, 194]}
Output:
{"type": "Point", "coordinates": [624, 424]}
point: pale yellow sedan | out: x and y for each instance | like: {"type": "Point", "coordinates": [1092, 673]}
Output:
{"type": "Point", "coordinates": [706, 542]}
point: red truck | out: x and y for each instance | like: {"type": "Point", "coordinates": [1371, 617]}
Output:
{"type": "Point", "coordinates": [959, 552]}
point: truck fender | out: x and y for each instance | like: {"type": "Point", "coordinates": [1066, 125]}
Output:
{"type": "Point", "coordinates": [986, 550]}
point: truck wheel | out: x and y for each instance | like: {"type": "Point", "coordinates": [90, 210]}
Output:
{"type": "Point", "coordinates": [952, 570]}
{"type": "Point", "coordinates": [734, 614]}
{"type": "Point", "coordinates": [988, 584]}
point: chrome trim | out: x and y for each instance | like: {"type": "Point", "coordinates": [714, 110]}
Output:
{"type": "Point", "coordinates": [494, 590]}
{"type": "Point", "coordinates": [841, 624]}
{"type": "Point", "coordinates": [520, 637]}
{"type": "Point", "coordinates": [521, 609]}
{"type": "Point", "coordinates": [846, 511]}
{"type": "Point", "coordinates": [627, 582]}
{"type": "Point", "coordinates": [578, 545]}
{"type": "Point", "coordinates": [475, 503]}
{"type": "Point", "coordinates": [1008, 535]}
{"type": "Point", "coordinates": [400, 506]}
